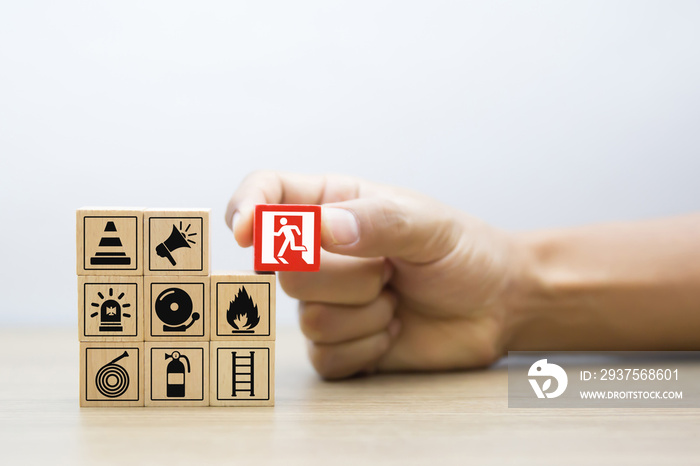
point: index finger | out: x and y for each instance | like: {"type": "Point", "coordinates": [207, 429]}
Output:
{"type": "Point", "coordinates": [271, 187]}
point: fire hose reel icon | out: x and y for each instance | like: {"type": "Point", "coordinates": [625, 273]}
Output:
{"type": "Point", "coordinates": [112, 380]}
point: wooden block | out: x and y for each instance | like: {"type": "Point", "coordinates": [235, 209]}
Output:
{"type": "Point", "coordinates": [109, 241]}
{"type": "Point", "coordinates": [110, 308]}
{"type": "Point", "coordinates": [242, 373]}
{"type": "Point", "coordinates": [111, 374]}
{"type": "Point", "coordinates": [177, 308]}
{"type": "Point", "coordinates": [243, 306]}
{"type": "Point", "coordinates": [177, 373]}
{"type": "Point", "coordinates": [287, 237]}
{"type": "Point", "coordinates": [177, 241]}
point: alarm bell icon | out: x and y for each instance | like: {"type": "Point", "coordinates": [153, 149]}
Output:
{"type": "Point", "coordinates": [173, 307]}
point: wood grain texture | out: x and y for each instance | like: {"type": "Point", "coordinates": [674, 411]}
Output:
{"type": "Point", "coordinates": [111, 374]}
{"type": "Point", "coordinates": [110, 308]}
{"type": "Point", "coordinates": [242, 373]}
{"type": "Point", "coordinates": [177, 241]}
{"type": "Point", "coordinates": [406, 419]}
{"type": "Point", "coordinates": [161, 291]}
{"type": "Point", "coordinates": [109, 241]}
{"type": "Point", "coordinates": [177, 373]}
{"type": "Point", "coordinates": [230, 291]}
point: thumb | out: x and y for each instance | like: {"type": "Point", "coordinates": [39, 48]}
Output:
{"type": "Point", "coordinates": [414, 230]}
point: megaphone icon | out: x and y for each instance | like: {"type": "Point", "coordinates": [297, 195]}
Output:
{"type": "Point", "coordinates": [177, 239]}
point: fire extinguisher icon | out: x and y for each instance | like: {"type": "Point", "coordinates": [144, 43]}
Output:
{"type": "Point", "coordinates": [175, 375]}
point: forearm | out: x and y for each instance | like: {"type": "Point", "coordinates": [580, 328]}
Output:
{"type": "Point", "coordinates": [625, 286]}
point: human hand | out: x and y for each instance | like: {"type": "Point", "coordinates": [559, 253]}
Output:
{"type": "Point", "coordinates": [406, 282]}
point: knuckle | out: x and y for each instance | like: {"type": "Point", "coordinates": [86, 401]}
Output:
{"type": "Point", "coordinates": [314, 320]}
{"type": "Point", "coordinates": [294, 284]}
{"type": "Point", "coordinates": [386, 309]}
{"type": "Point", "coordinates": [339, 188]}
{"type": "Point", "coordinates": [258, 176]}
{"type": "Point", "coordinates": [323, 359]}
{"type": "Point", "coordinates": [395, 218]}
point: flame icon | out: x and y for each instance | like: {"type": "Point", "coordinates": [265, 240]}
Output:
{"type": "Point", "coordinates": [242, 313]}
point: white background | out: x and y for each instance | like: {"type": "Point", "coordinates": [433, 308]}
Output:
{"type": "Point", "coordinates": [528, 114]}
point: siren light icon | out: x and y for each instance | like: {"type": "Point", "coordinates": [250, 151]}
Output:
{"type": "Point", "coordinates": [111, 311]}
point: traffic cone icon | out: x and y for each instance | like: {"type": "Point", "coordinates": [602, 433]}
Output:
{"type": "Point", "coordinates": [110, 250]}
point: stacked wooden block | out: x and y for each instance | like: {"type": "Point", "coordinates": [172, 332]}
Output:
{"type": "Point", "coordinates": [155, 328]}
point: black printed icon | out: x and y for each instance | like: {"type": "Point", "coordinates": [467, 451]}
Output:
{"type": "Point", "coordinates": [112, 380]}
{"type": "Point", "coordinates": [110, 312]}
{"type": "Point", "coordinates": [175, 375]}
{"type": "Point", "coordinates": [243, 374]}
{"type": "Point", "coordinates": [173, 307]}
{"type": "Point", "coordinates": [110, 248]}
{"type": "Point", "coordinates": [242, 313]}
{"type": "Point", "coordinates": [178, 238]}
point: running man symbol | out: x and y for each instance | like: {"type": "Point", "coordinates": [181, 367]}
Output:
{"type": "Point", "coordinates": [289, 240]}
{"type": "Point", "coordinates": [287, 237]}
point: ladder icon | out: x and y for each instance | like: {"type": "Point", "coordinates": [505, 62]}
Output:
{"type": "Point", "coordinates": [246, 374]}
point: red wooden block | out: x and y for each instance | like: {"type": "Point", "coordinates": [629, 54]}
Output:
{"type": "Point", "coordinates": [287, 237]}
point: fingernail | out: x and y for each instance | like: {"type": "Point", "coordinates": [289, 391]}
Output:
{"type": "Point", "coordinates": [235, 218]}
{"type": "Point", "coordinates": [341, 224]}
{"type": "Point", "coordinates": [394, 328]}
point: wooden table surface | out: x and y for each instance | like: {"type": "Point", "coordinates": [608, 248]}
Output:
{"type": "Point", "coordinates": [455, 418]}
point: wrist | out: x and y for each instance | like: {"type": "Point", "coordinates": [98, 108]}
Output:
{"type": "Point", "coordinates": [554, 303]}
{"type": "Point", "coordinates": [528, 294]}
